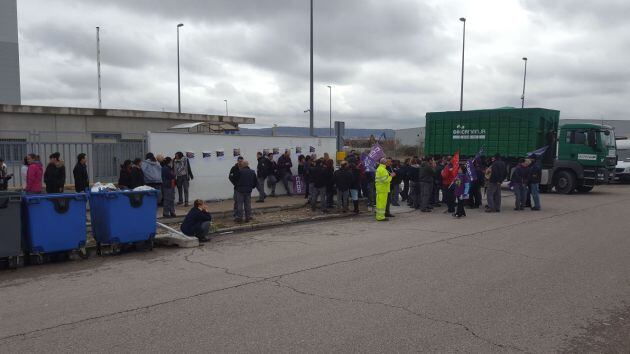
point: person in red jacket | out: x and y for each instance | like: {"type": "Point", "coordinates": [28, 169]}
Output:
{"type": "Point", "coordinates": [34, 175]}
{"type": "Point", "coordinates": [449, 173]}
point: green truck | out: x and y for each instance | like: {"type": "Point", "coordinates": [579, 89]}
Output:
{"type": "Point", "coordinates": [578, 157]}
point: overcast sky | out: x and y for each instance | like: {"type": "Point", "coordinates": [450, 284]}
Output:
{"type": "Point", "coordinates": [389, 62]}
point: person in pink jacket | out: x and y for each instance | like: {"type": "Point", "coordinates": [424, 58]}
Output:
{"type": "Point", "coordinates": [34, 175]}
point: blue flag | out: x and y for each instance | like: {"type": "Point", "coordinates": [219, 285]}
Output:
{"type": "Point", "coordinates": [470, 166]}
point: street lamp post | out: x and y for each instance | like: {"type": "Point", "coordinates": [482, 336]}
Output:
{"type": "Point", "coordinates": [311, 127]}
{"type": "Point", "coordinates": [98, 64]}
{"type": "Point", "coordinates": [461, 93]}
{"type": "Point", "coordinates": [179, 92]}
{"type": "Point", "coordinates": [524, 78]}
{"type": "Point", "coordinates": [330, 109]}
{"type": "Point", "coordinates": [227, 114]}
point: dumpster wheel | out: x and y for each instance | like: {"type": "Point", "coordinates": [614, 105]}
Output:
{"type": "Point", "coordinates": [83, 253]}
{"type": "Point", "coordinates": [16, 262]}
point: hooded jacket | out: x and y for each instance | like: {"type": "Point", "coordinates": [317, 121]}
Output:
{"type": "Point", "coordinates": [55, 177]}
{"type": "Point", "coordinates": [152, 172]}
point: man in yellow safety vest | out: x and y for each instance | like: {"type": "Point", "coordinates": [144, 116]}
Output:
{"type": "Point", "coordinates": [382, 183]}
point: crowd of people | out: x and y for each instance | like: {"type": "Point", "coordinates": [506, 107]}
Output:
{"type": "Point", "coordinates": [422, 183]}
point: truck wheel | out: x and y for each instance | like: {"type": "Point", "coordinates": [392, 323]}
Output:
{"type": "Point", "coordinates": [584, 189]}
{"type": "Point", "coordinates": [565, 182]}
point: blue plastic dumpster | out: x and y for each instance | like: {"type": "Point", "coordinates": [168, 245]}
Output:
{"type": "Point", "coordinates": [123, 217]}
{"type": "Point", "coordinates": [11, 229]}
{"type": "Point", "coordinates": [54, 222]}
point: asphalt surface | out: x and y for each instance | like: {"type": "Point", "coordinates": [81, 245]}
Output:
{"type": "Point", "coordinates": [554, 280]}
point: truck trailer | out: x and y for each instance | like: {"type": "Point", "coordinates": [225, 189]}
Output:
{"type": "Point", "coordinates": [579, 155]}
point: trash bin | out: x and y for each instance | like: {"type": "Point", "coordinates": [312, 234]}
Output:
{"type": "Point", "coordinates": [11, 234]}
{"type": "Point", "coordinates": [123, 217]}
{"type": "Point", "coordinates": [55, 223]}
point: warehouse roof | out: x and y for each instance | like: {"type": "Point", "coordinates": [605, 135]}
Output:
{"type": "Point", "coordinates": [122, 113]}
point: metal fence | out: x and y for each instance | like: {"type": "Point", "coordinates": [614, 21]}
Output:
{"type": "Point", "coordinates": [104, 159]}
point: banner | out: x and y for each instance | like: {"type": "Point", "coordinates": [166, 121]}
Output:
{"type": "Point", "coordinates": [470, 166]}
{"type": "Point", "coordinates": [299, 186]}
{"type": "Point", "coordinates": [539, 152]}
{"type": "Point", "coordinates": [371, 160]}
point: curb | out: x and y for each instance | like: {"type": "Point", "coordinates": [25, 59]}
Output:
{"type": "Point", "coordinates": [228, 214]}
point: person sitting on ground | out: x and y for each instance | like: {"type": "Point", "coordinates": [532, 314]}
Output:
{"type": "Point", "coordinates": [168, 189]}
{"type": "Point", "coordinates": [80, 172]}
{"type": "Point", "coordinates": [198, 221]}
{"type": "Point", "coordinates": [5, 176]}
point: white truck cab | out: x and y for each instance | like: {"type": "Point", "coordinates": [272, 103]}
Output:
{"type": "Point", "coordinates": [622, 170]}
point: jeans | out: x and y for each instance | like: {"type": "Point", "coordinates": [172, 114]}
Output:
{"type": "Point", "coordinates": [394, 194]}
{"type": "Point", "coordinates": [261, 188]}
{"type": "Point", "coordinates": [342, 199]}
{"type": "Point", "coordinates": [285, 182]}
{"type": "Point", "coordinates": [354, 195]}
{"type": "Point", "coordinates": [311, 191]}
{"type": "Point", "coordinates": [371, 193]}
{"type": "Point", "coordinates": [413, 199]}
{"type": "Point", "coordinates": [494, 196]}
{"type": "Point", "coordinates": [405, 192]}
{"type": "Point", "coordinates": [534, 189]}
{"type": "Point", "coordinates": [244, 203]}
{"type": "Point", "coordinates": [389, 202]}
{"type": "Point", "coordinates": [235, 206]}
{"type": "Point", "coordinates": [315, 194]}
{"type": "Point", "coordinates": [460, 207]}
{"type": "Point", "coordinates": [203, 230]}
{"type": "Point", "coordinates": [168, 208]}
{"type": "Point", "coordinates": [426, 191]}
{"type": "Point", "coordinates": [520, 192]}
{"type": "Point", "coordinates": [449, 198]}
{"type": "Point", "coordinates": [182, 188]}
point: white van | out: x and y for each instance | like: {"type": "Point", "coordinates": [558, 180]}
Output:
{"type": "Point", "coordinates": [622, 170]}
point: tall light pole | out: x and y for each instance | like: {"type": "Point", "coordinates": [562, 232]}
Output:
{"type": "Point", "coordinates": [461, 93]}
{"type": "Point", "coordinates": [330, 108]}
{"type": "Point", "coordinates": [312, 127]}
{"type": "Point", "coordinates": [227, 114]}
{"type": "Point", "coordinates": [524, 78]}
{"type": "Point", "coordinates": [179, 92]}
{"type": "Point", "coordinates": [98, 64]}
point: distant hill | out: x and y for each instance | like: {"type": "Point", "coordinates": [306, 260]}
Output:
{"type": "Point", "coordinates": [304, 131]}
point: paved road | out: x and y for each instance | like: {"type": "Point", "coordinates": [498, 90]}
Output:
{"type": "Point", "coordinates": [556, 280]}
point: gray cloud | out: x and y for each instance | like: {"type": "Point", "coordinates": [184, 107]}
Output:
{"type": "Point", "coordinates": [389, 61]}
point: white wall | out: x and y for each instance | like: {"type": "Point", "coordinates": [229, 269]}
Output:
{"type": "Point", "coordinates": [211, 175]}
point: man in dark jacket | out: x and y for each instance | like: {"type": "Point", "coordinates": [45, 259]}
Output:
{"type": "Point", "coordinates": [263, 170]}
{"type": "Point", "coordinates": [55, 175]}
{"type": "Point", "coordinates": [342, 179]}
{"type": "Point", "coordinates": [246, 183]}
{"type": "Point", "coordinates": [497, 176]}
{"type": "Point", "coordinates": [319, 176]}
{"type": "Point", "coordinates": [426, 178]}
{"type": "Point", "coordinates": [395, 184]}
{"type": "Point", "coordinates": [168, 188]}
{"type": "Point", "coordinates": [519, 183]}
{"type": "Point", "coordinates": [80, 172]}
{"type": "Point", "coordinates": [233, 177]}
{"type": "Point", "coordinates": [404, 175]}
{"type": "Point", "coordinates": [198, 221]}
{"type": "Point", "coordinates": [535, 175]}
{"type": "Point", "coordinates": [284, 170]}
{"type": "Point", "coordinates": [413, 173]}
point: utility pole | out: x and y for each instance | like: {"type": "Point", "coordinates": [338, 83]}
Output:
{"type": "Point", "coordinates": [179, 92]}
{"type": "Point", "coordinates": [524, 77]}
{"type": "Point", "coordinates": [461, 94]}
{"type": "Point", "coordinates": [330, 109]}
{"type": "Point", "coordinates": [312, 126]}
{"type": "Point", "coordinates": [98, 64]}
